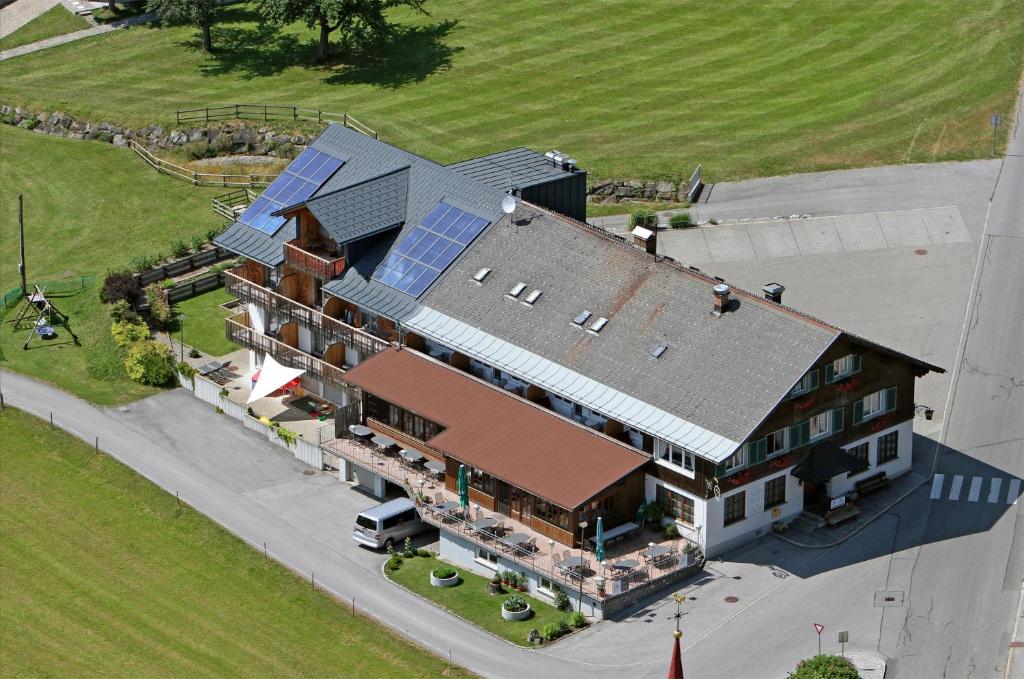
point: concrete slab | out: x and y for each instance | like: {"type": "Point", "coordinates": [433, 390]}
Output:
{"type": "Point", "coordinates": [729, 244]}
{"type": "Point", "coordinates": [689, 245]}
{"type": "Point", "coordinates": [817, 236]}
{"type": "Point", "coordinates": [904, 229]}
{"type": "Point", "coordinates": [773, 239]}
{"type": "Point", "coordinates": [861, 232]}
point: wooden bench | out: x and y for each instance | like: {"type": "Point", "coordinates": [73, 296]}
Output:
{"type": "Point", "coordinates": [872, 483]}
{"type": "Point", "coordinates": [840, 514]}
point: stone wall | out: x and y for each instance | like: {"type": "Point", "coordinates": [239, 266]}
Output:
{"type": "Point", "coordinates": [612, 191]}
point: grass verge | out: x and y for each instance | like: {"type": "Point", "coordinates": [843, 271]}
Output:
{"type": "Point", "coordinates": [204, 322]}
{"type": "Point", "coordinates": [104, 575]}
{"type": "Point", "coordinates": [471, 600]}
{"type": "Point", "coordinates": [53, 22]}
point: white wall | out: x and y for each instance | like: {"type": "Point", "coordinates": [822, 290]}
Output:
{"type": "Point", "coordinates": [697, 531]}
{"type": "Point", "coordinates": [257, 318]}
{"type": "Point", "coordinates": [305, 339]}
{"type": "Point", "coordinates": [758, 520]}
{"type": "Point", "coordinates": [893, 468]}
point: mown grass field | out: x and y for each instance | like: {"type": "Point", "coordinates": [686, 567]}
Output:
{"type": "Point", "coordinates": [105, 576]}
{"type": "Point", "coordinates": [88, 207]}
{"type": "Point", "coordinates": [204, 322]}
{"type": "Point", "coordinates": [646, 89]}
{"type": "Point", "coordinates": [53, 22]}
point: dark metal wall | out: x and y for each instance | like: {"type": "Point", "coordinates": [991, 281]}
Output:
{"type": "Point", "coordinates": [567, 195]}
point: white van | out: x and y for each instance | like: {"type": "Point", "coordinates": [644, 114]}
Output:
{"type": "Point", "coordinates": [388, 524]}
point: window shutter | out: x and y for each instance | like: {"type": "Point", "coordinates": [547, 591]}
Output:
{"type": "Point", "coordinates": [890, 399]}
{"type": "Point", "coordinates": [794, 436]}
{"type": "Point", "coordinates": [830, 373]}
{"type": "Point", "coordinates": [757, 450]}
{"type": "Point", "coordinates": [858, 411]}
{"type": "Point", "coordinates": [720, 469]}
{"type": "Point", "coordinates": [855, 363]}
{"type": "Point", "coordinates": [837, 420]}
{"type": "Point", "coordinates": [814, 379]}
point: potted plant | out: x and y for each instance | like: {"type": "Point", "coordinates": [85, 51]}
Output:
{"type": "Point", "coordinates": [521, 582]}
{"type": "Point", "coordinates": [444, 576]}
{"type": "Point", "coordinates": [599, 580]}
{"type": "Point", "coordinates": [515, 608]}
{"type": "Point", "coordinates": [494, 587]}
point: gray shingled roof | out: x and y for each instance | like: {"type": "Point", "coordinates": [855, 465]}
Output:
{"type": "Point", "coordinates": [365, 208]}
{"type": "Point", "coordinates": [525, 167]}
{"type": "Point", "coordinates": [724, 374]}
{"type": "Point", "coordinates": [257, 245]}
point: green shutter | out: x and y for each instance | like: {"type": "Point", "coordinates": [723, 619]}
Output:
{"type": "Point", "coordinates": [720, 469]}
{"type": "Point", "coordinates": [858, 411]}
{"type": "Point", "coordinates": [856, 364]}
{"type": "Point", "coordinates": [794, 436]}
{"type": "Point", "coordinates": [830, 373]}
{"type": "Point", "coordinates": [814, 379]}
{"type": "Point", "coordinates": [837, 420]}
{"type": "Point", "coordinates": [890, 399]}
{"type": "Point", "coordinates": [805, 431]}
{"type": "Point", "coordinates": [799, 434]}
{"type": "Point", "coordinates": [757, 451]}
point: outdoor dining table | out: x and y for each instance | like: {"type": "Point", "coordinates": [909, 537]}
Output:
{"type": "Point", "coordinates": [656, 552]}
{"type": "Point", "coordinates": [626, 565]}
{"type": "Point", "coordinates": [484, 523]}
{"type": "Point", "coordinates": [384, 442]}
{"type": "Point", "coordinates": [572, 563]}
{"type": "Point", "coordinates": [411, 455]}
{"type": "Point", "coordinates": [360, 431]}
{"type": "Point", "coordinates": [447, 507]}
{"type": "Point", "coordinates": [515, 539]}
{"type": "Point", "coordinates": [434, 466]}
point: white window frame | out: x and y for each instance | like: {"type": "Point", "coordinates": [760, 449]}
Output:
{"type": "Point", "coordinates": [879, 397]}
{"type": "Point", "coordinates": [666, 454]}
{"type": "Point", "coordinates": [548, 589]}
{"type": "Point", "coordinates": [737, 460]}
{"type": "Point", "coordinates": [842, 367]}
{"type": "Point", "coordinates": [483, 557]}
{"type": "Point", "coordinates": [822, 433]}
{"type": "Point", "coordinates": [803, 386]}
{"type": "Point", "coordinates": [779, 449]}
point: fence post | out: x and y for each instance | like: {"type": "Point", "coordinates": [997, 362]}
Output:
{"type": "Point", "coordinates": [195, 178]}
{"type": "Point", "coordinates": [264, 113]}
{"type": "Point", "coordinates": [295, 112]}
{"type": "Point", "coordinates": [236, 110]}
{"type": "Point", "coordinates": [207, 116]}
{"type": "Point", "coordinates": [345, 123]}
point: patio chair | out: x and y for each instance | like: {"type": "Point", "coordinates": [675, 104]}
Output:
{"type": "Point", "coordinates": [566, 555]}
{"type": "Point", "coordinates": [531, 546]}
{"type": "Point", "coordinates": [438, 498]}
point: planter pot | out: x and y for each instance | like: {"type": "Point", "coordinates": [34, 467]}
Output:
{"type": "Point", "coordinates": [494, 587]}
{"type": "Point", "coordinates": [516, 615]}
{"type": "Point", "coordinates": [444, 582]}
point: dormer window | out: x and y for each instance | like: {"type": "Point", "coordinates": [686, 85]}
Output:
{"type": "Point", "coordinates": [841, 368]}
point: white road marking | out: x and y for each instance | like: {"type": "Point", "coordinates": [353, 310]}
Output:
{"type": "Point", "coordinates": [1013, 491]}
{"type": "Point", "coordinates": [937, 486]}
{"type": "Point", "coordinates": [975, 492]}
{"type": "Point", "coordinates": [954, 489]}
{"type": "Point", "coordinates": [993, 491]}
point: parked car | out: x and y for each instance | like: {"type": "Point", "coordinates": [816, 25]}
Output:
{"type": "Point", "coordinates": [387, 524]}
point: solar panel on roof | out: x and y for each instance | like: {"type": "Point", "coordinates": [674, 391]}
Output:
{"type": "Point", "coordinates": [429, 248]}
{"type": "Point", "coordinates": [299, 181]}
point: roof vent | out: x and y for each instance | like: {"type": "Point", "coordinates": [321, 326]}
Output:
{"type": "Point", "coordinates": [721, 298]}
{"type": "Point", "coordinates": [659, 350]}
{"type": "Point", "coordinates": [581, 317]}
{"type": "Point", "coordinates": [481, 275]}
{"type": "Point", "coordinates": [517, 290]}
{"type": "Point", "coordinates": [773, 292]}
{"type": "Point", "coordinates": [533, 297]}
{"type": "Point", "coordinates": [599, 324]}
{"type": "Point", "coordinates": [646, 239]}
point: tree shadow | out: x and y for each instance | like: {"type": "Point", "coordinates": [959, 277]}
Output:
{"type": "Point", "coordinates": [411, 54]}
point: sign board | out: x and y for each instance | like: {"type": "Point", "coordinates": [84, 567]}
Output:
{"type": "Point", "coordinates": [996, 120]}
{"type": "Point", "coordinates": [819, 628]}
{"type": "Point", "coordinates": [844, 637]}
{"type": "Point", "coordinates": [838, 502]}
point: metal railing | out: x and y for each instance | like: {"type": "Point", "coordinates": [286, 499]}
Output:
{"type": "Point", "coordinates": [268, 112]}
{"type": "Point", "coordinates": [240, 332]}
{"type": "Point", "coordinates": [200, 178]}
{"type": "Point", "coordinates": [322, 268]}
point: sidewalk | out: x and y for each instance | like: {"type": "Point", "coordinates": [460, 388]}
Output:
{"type": "Point", "coordinates": [19, 13]}
{"type": "Point", "coordinates": [77, 35]}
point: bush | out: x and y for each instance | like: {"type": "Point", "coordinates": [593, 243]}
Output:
{"type": "Point", "coordinates": [445, 572]}
{"type": "Point", "coordinates": [150, 362]}
{"type": "Point", "coordinates": [126, 333]}
{"type": "Point", "coordinates": [424, 553]}
{"type": "Point", "coordinates": [713, 221]}
{"type": "Point", "coordinates": [577, 619]}
{"type": "Point", "coordinates": [145, 262]}
{"type": "Point", "coordinates": [120, 309]}
{"type": "Point", "coordinates": [29, 123]}
{"type": "Point", "coordinates": [680, 220]}
{"type": "Point", "coordinates": [394, 562]}
{"type": "Point", "coordinates": [103, 136]}
{"type": "Point", "coordinates": [643, 216]}
{"type": "Point", "coordinates": [159, 309]}
{"type": "Point", "coordinates": [198, 242]}
{"type": "Point", "coordinates": [168, 283]}
{"type": "Point", "coordinates": [179, 248]}
{"type": "Point", "coordinates": [186, 370]}
{"type": "Point", "coordinates": [553, 630]}
{"type": "Point", "coordinates": [213, 233]}
{"type": "Point", "coordinates": [198, 150]}
{"type": "Point", "coordinates": [286, 435]}
{"type": "Point", "coordinates": [671, 531]}
{"type": "Point", "coordinates": [515, 603]}
{"type": "Point", "coordinates": [824, 667]}
{"type": "Point", "coordinates": [119, 285]}
{"type": "Point", "coordinates": [561, 601]}
{"type": "Point", "coordinates": [654, 512]}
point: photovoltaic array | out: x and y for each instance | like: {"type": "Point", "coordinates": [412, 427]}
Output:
{"type": "Point", "coordinates": [297, 183]}
{"type": "Point", "coordinates": [429, 248]}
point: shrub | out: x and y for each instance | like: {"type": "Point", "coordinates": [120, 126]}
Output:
{"type": "Point", "coordinates": [179, 248]}
{"type": "Point", "coordinates": [7, 118]}
{"type": "Point", "coordinates": [198, 242]}
{"type": "Point", "coordinates": [643, 216]}
{"type": "Point", "coordinates": [553, 630]}
{"type": "Point", "coordinates": [424, 553]}
{"type": "Point", "coordinates": [671, 531]}
{"type": "Point", "coordinates": [168, 283]}
{"type": "Point", "coordinates": [119, 309]}
{"type": "Point", "coordinates": [126, 334]}
{"type": "Point", "coordinates": [394, 561]}
{"type": "Point", "coordinates": [103, 136]}
{"type": "Point", "coordinates": [159, 309]}
{"type": "Point", "coordinates": [825, 667]}
{"type": "Point", "coordinates": [680, 220]}
{"type": "Point", "coordinates": [119, 285]}
{"type": "Point", "coordinates": [213, 233]}
{"type": "Point", "coordinates": [561, 601]}
{"type": "Point", "coordinates": [194, 353]}
{"type": "Point", "coordinates": [150, 362]}
{"type": "Point", "coordinates": [186, 370]}
{"type": "Point", "coordinates": [445, 572]}
{"type": "Point", "coordinates": [407, 551]}
{"type": "Point", "coordinates": [197, 150]}
{"type": "Point", "coordinates": [145, 262]}
{"type": "Point", "coordinates": [286, 435]}
{"type": "Point", "coordinates": [712, 221]}
{"type": "Point", "coordinates": [577, 619]}
{"type": "Point", "coordinates": [515, 603]}
{"type": "Point", "coordinates": [219, 410]}
{"type": "Point", "coordinates": [29, 123]}
{"type": "Point", "coordinates": [654, 512]}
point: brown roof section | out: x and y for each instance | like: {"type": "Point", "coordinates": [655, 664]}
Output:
{"type": "Point", "coordinates": [505, 436]}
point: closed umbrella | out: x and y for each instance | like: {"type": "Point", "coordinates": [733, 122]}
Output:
{"type": "Point", "coordinates": [463, 487]}
{"type": "Point", "coordinates": [599, 540]}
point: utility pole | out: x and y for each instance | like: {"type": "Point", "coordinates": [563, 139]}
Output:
{"type": "Point", "coordinates": [21, 227]}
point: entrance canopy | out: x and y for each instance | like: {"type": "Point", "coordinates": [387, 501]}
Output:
{"type": "Point", "coordinates": [824, 461]}
{"type": "Point", "coordinates": [272, 376]}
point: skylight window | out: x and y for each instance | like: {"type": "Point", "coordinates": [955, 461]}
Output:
{"type": "Point", "coordinates": [599, 324]}
{"type": "Point", "coordinates": [517, 290]}
{"type": "Point", "coordinates": [533, 296]}
{"type": "Point", "coordinates": [481, 275]}
{"type": "Point", "coordinates": [659, 350]}
{"type": "Point", "coordinates": [582, 317]}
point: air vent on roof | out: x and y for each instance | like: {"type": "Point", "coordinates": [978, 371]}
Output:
{"type": "Point", "coordinates": [481, 275]}
{"type": "Point", "coordinates": [533, 297]}
{"type": "Point", "coordinates": [659, 350]}
{"type": "Point", "coordinates": [582, 317]}
{"type": "Point", "coordinates": [599, 324]}
{"type": "Point", "coordinates": [517, 290]}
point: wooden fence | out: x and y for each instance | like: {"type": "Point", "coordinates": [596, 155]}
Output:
{"type": "Point", "coordinates": [195, 286]}
{"type": "Point", "coordinates": [201, 178]}
{"type": "Point", "coordinates": [267, 113]}
{"type": "Point", "coordinates": [183, 265]}
{"type": "Point", "coordinates": [230, 206]}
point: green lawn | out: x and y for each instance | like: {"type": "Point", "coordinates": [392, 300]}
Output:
{"type": "Point", "coordinates": [55, 21]}
{"type": "Point", "coordinates": [88, 207]}
{"type": "Point", "coordinates": [646, 89]}
{"type": "Point", "coordinates": [471, 600]}
{"type": "Point", "coordinates": [105, 576]}
{"type": "Point", "coordinates": [204, 322]}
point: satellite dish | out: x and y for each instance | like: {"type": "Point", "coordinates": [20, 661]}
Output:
{"type": "Point", "coordinates": [508, 205]}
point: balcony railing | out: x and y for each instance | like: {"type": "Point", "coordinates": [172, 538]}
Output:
{"type": "Point", "coordinates": [240, 332]}
{"type": "Point", "coordinates": [321, 267]}
{"type": "Point", "coordinates": [333, 331]}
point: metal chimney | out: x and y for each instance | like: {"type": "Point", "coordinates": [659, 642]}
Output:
{"type": "Point", "coordinates": [773, 292]}
{"type": "Point", "coordinates": [721, 298]}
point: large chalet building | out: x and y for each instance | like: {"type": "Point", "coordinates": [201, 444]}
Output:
{"type": "Point", "coordinates": [575, 374]}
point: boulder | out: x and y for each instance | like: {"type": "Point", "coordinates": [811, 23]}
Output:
{"type": "Point", "coordinates": [610, 200]}
{"type": "Point", "coordinates": [684, 192]}
{"type": "Point", "coordinates": [76, 135]}
{"type": "Point", "coordinates": [104, 126]}
{"type": "Point", "coordinates": [197, 134]}
{"type": "Point", "coordinates": [633, 183]}
{"type": "Point", "coordinates": [649, 193]}
{"type": "Point", "coordinates": [665, 187]}
{"type": "Point", "coordinates": [57, 131]}
{"type": "Point", "coordinates": [119, 140]}
{"type": "Point", "coordinates": [243, 139]}
{"type": "Point", "coordinates": [298, 140]}
{"type": "Point", "coordinates": [603, 187]}
{"type": "Point", "coordinates": [178, 138]}
{"type": "Point", "coordinates": [625, 191]}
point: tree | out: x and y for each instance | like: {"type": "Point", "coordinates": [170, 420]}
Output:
{"type": "Point", "coordinates": [196, 12]}
{"type": "Point", "coordinates": [360, 22]}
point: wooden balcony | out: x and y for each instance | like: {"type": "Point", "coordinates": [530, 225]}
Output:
{"type": "Point", "coordinates": [323, 266]}
{"type": "Point", "coordinates": [287, 310]}
{"type": "Point", "coordinates": [240, 332]}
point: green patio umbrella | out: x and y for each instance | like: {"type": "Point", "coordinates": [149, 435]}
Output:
{"type": "Point", "coordinates": [599, 540]}
{"type": "Point", "coordinates": [463, 487]}
{"type": "Point", "coordinates": [641, 515]}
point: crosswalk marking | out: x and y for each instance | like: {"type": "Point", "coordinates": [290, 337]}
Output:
{"type": "Point", "coordinates": [993, 492]}
{"type": "Point", "coordinates": [937, 486]}
{"type": "Point", "coordinates": [975, 492]}
{"type": "Point", "coordinates": [1013, 491]}
{"type": "Point", "coordinates": [954, 488]}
